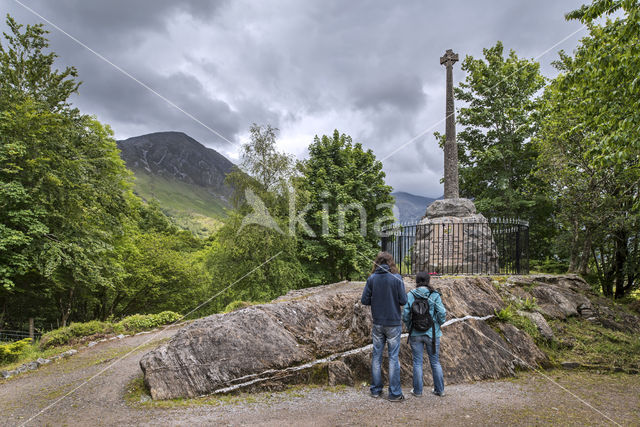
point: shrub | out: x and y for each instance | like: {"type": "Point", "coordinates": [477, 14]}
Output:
{"type": "Point", "coordinates": [89, 328]}
{"type": "Point", "coordinates": [56, 337]}
{"type": "Point", "coordinates": [528, 304]}
{"type": "Point", "coordinates": [11, 351]}
{"type": "Point", "coordinates": [506, 314]}
{"type": "Point", "coordinates": [236, 305]}
{"type": "Point", "coordinates": [134, 323]}
{"type": "Point", "coordinates": [142, 322]}
{"type": "Point", "coordinates": [526, 325]}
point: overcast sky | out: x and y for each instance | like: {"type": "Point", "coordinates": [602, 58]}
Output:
{"type": "Point", "coordinates": [367, 68]}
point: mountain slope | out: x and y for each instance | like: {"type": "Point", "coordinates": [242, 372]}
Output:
{"type": "Point", "coordinates": [186, 177]}
{"type": "Point", "coordinates": [410, 206]}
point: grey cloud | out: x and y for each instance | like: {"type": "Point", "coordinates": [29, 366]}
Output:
{"type": "Point", "coordinates": [369, 69]}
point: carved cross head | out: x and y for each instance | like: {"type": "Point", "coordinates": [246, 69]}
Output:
{"type": "Point", "coordinates": [449, 58]}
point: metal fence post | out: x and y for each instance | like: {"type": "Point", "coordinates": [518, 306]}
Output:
{"type": "Point", "coordinates": [518, 250]}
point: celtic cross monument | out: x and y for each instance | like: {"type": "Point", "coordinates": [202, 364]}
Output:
{"type": "Point", "coordinates": [452, 238]}
{"type": "Point", "coordinates": [450, 147]}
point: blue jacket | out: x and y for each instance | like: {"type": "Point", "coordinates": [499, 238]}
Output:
{"type": "Point", "coordinates": [436, 308]}
{"type": "Point", "coordinates": [385, 293]}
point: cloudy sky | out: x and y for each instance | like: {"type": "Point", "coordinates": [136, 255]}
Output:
{"type": "Point", "coordinates": [367, 68]}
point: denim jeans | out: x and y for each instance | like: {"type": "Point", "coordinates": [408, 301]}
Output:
{"type": "Point", "coordinates": [391, 336]}
{"type": "Point", "coordinates": [418, 343]}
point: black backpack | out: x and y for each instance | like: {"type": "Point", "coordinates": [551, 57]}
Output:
{"type": "Point", "coordinates": [421, 319]}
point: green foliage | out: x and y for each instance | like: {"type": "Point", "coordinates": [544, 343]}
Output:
{"type": "Point", "coordinates": [528, 304]}
{"type": "Point", "coordinates": [10, 352]}
{"type": "Point", "coordinates": [251, 263]}
{"type": "Point", "coordinates": [509, 315]}
{"type": "Point", "coordinates": [506, 314]}
{"type": "Point", "coordinates": [261, 159]}
{"type": "Point", "coordinates": [549, 265]}
{"type": "Point", "coordinates": [495, 150]}
{"type": "Point", "coordinates": [75, 243]}
{"type": "Point", "coordinates": [526, 325]}
{"type": "Point", "coordinates": [130, 324]}
{"type": "Point", "coordinates": [590, 149]}
{"type": "Point", "coordinates": [247, 260]}
{"type": "Point", "coordinates": [190, 207]}
{"type": "Point", "coordinates": [592, 344]}
{"type": "Point", "coordinates": [348, 201]}
{"type": "Point", "coordinates": [236, 305]}
{"type": "Point", "coordinates": [143, 322]}
{"type": "Point", "coordinates": [61, 178]}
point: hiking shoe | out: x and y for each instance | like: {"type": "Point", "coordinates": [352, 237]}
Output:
{"type": "Point", "coordinates": [396, 398]}
{"type": "Point", "coordinates": [416, 395]}
{"type": "Point", "coordinates": [375, 396]}
{"type": "Point", "coordinates": [437, 394]}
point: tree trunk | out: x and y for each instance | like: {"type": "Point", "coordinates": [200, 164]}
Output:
{"type": "Point", "coordinates": [584, 256]}
{"type": "Point", "coordinates": [574, 259]}
{"type": "Point", "coordinates": [603, 276]}
{"type": "Point", "coordinates": [622, 251]}
{"type": "Point", "coordinates": [66, 308]}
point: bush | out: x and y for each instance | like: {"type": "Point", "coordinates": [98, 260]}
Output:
{"type": "Point", "coordinates": [60, 336]}
{"type": "Point", "coordinates": [548, 265]}
{"type": "Point", "coordinates": [10, 352]}
{"type": "Point", "coordinates": [236, 305]}
{"type": "Point", "coordinates": [142, 322]}
{"type": "Point", "coordinates": [89, 328]}
{"type": "Point", "coordinates": [135, 323]}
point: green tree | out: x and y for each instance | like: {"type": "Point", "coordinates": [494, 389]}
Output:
{"type": "Point", "coordinates": [262, 160]}
{"type": "Point", "coordinates": [495, 150]}
{"type": "Point", "coordinates": [258, 260]}
{"type": "Point", "coordinates": [61, 178]}
{"type": "Point", "coordinates": [590, 146]}
{"type": "Point", "coordinates": [348, 201]}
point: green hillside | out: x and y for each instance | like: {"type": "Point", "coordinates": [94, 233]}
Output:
{"type": "Point", "coordinates": [190, 206]}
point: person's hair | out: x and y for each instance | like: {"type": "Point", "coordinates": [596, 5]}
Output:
{"type": "Point", "coordinates": [384, 258]}
{"type": "Point", "coordinates": [423, 279]}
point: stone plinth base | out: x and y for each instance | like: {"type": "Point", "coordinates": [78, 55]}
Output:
{"type": "Point", "coordinates": [453, 238]}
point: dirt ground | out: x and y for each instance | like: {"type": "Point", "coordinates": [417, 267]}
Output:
{"type": "Point", "coordinates": [47, 397]}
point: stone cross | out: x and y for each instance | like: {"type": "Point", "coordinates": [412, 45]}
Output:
{"type": "Point", "coordinates": [451, 190]}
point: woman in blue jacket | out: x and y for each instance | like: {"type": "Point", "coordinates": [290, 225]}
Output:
{"type": "Point", "coordinates": [423, 339]}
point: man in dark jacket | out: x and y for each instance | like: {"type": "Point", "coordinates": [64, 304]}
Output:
{"type": "Point", "coordinates": [385, 293]}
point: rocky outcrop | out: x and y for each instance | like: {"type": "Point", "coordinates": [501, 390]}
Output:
{"type": "Point", "coordinates": [450, 207]}
{"type": "Point", "coordinates": [323, 335]}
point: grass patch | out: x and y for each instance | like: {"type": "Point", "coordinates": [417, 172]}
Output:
{"type": "Point", "coordinates": [237, 305]}
{"type": "Point", "coordinates": [138, 396]}
{"type": "Point", "coordinates": [510, 315]}
{"type": "Point", "coordinates": [592, 344]}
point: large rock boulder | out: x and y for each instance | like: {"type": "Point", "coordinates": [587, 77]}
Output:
{"type": "Point", "coordinates": [557, 297]}
{"type": "Point", "coordinates": [323, 335]}
{"type": "Point", "coordinates": [450, 207]}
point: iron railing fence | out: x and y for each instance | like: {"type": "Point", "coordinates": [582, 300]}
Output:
{"type": "Point", "coordinates": [9, 336]}
{"type": "Point", "coordinates": [498, 246]}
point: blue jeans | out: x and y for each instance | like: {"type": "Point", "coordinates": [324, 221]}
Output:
{"type": "Point", "coordinates": [390, 335]}
{"type": "Point", "coordinates": [418, 343]}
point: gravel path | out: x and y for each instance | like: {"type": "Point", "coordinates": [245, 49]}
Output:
{"type": "Point", "coordinates": [527, 400]}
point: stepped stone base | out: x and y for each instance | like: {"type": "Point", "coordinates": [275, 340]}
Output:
{"type": "Point", "coordinates": [452, 238]}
